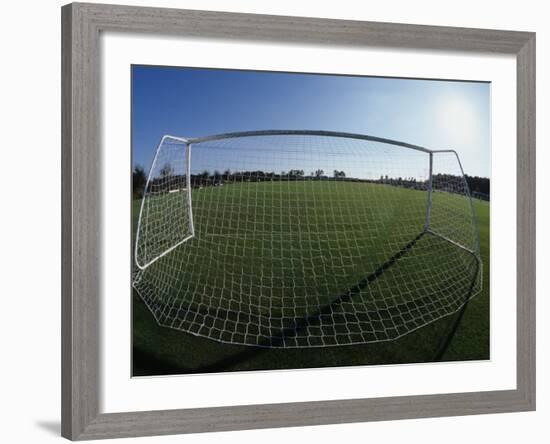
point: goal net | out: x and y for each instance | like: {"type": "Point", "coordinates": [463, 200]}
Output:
{"type": "Point", "coordinates": [304, 239]}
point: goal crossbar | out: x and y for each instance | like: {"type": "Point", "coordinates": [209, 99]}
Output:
{"type": "Point", "coordinates": [284, 132]}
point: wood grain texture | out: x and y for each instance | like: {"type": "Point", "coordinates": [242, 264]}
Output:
{"type": "Point", "coordinates": [119, 425]}
{"type": "Point", "coordinates": [81, 222]}
{"type": "Point", "coordinates": [66, 223]}
{"type": "Point", "coordinates": [81, 231]}
{"type": "Point", "coordinates": [526, 221]}
{"type": "Point", "coordinates": [230, 25]}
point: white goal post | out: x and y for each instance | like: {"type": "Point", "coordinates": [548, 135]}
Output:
{"type": "Point", "coordinates": [288, 238]}
{"type": "Point", "coordinates": [162, 226]}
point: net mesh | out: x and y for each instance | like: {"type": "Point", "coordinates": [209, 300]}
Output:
{"type": "Point", "coordinates": [165, 219]}
{"type": "Point", "coordinates": [304, 240]}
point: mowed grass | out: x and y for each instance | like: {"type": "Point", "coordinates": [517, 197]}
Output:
{"type": "Point", "coordinates": [278, 255]}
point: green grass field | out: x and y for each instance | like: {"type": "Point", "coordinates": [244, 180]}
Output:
{"type": "Point", "coordinates": [241, 231]}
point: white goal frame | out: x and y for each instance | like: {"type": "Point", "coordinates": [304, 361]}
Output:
{"type": "Point", "coordinates": [188, 197]}
{"type": "Point", "coordinates": [187, 144]}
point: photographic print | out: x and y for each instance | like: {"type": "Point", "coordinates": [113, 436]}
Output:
{"type": "Point", "coordinates": [304, 220]}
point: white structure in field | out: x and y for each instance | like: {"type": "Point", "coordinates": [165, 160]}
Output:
{"type": "Point", "coordinates": [316, 238]}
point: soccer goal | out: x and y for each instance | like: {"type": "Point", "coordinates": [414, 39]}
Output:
{"type": "Point", "coordinates": [304, 238]}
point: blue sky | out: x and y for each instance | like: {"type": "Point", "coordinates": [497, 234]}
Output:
{"type": "Point", "coordinates": [191, 102]}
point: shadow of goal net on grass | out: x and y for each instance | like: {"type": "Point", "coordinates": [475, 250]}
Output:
{"type": "Point", "coordinates": [304, 238]}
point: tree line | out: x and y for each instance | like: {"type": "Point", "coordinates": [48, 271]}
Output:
{"type": "Point", "coordinates": [479, 185]}
{"type": "Point", "coordinates": [168, 180]}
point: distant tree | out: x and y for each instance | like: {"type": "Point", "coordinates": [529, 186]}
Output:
{"type": "Point", "coordinates": [138, 181]}
{"type": "Point", "coordinates": [204, 177]}
{"type": "Point", "coordinates": [296, 173]}
{"type": "Point", "coordinates": [338, 174]}
{"type": "Point", "coordinates": [479, 184]}
{"type": "Point", "coordinates": [217, 176]}
{"type": "Point", "coordinates": [166, 171]}
{"type": "Point", "coordinates": [319, 173]}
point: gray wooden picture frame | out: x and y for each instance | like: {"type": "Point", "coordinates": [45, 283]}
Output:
{"type": "Point", "coordinates": [81, 175]}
